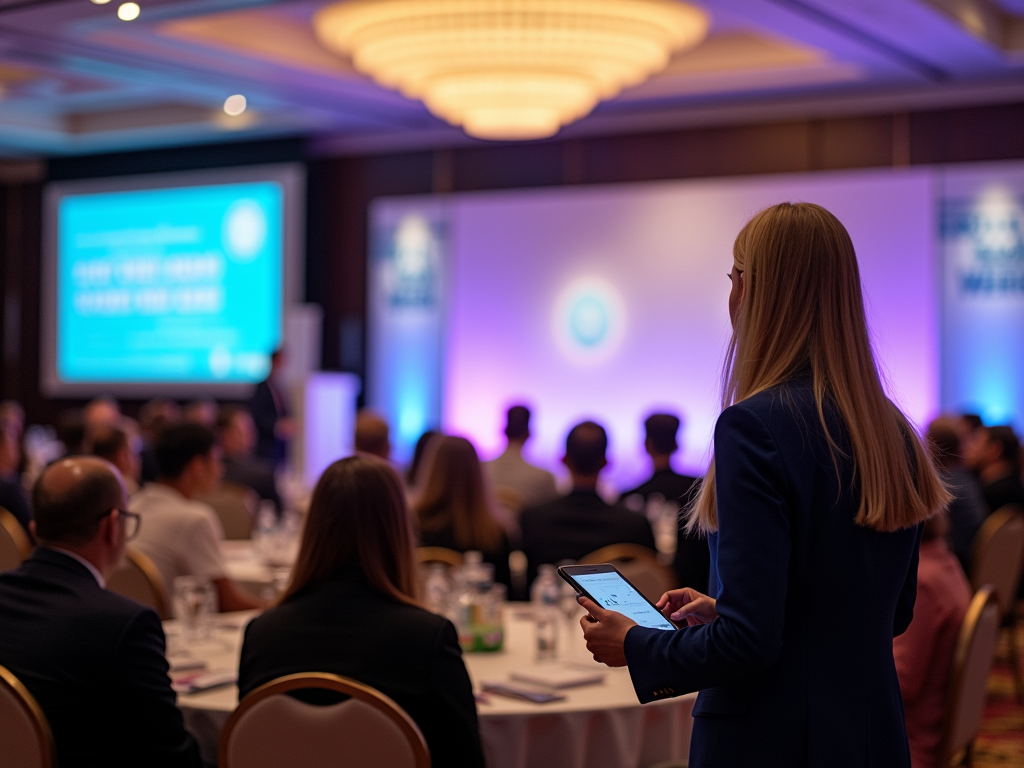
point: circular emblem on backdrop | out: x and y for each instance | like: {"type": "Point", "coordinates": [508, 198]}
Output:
{"type": "Point", "coordinates": [245, 230]}
{"type": "Point", "coordinates": [589, 320]}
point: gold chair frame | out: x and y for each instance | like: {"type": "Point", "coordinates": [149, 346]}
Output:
{"type": "Point", "coordinates": [47, 748]}
{"type": "Point", "coordinates": [13, 528]}
{"type": "Point", "coordinates": [444, 555]}
{"type": "Point", "coordinates": [983, 598]}
{"type": "Point", "coordinates": [326, 681]}
{"type": "Point", "coordinates": [1007, 605]}
{"type": "Point", "coordinates": [152, 575]}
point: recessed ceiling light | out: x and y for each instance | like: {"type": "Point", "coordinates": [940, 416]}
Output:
{"type": "Point", "coordinates": [100, 2]}
{"type": "Point", "coordinates": [234, 105]}
{"type": "Point", "coordinates": [128, 11]}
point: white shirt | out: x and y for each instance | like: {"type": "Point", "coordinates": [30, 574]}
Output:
{"type": "Point", "coordinates": [92, 568]}
{"type": "Point", "coordinates": [181, 537]}
{"type": "Point", "coordinates": [510, 470]}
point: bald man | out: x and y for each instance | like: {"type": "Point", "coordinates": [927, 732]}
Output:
{"type": "Point", "coordinates": [93, 660]}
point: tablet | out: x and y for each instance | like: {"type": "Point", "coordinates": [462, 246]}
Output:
{"type": "Point", "coordinates": [611, 590]}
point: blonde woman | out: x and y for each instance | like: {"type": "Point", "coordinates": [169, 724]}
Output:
{"type": "Point", "coordinates": [813, 507]}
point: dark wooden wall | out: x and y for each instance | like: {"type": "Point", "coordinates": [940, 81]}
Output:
{"type": "Point", "coordinates": [341, 189]}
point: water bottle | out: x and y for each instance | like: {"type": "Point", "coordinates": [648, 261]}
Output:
{"type": "Point", "coordinates": [545, 595]}
{"type": "Point", "coordinates": [437, 590]}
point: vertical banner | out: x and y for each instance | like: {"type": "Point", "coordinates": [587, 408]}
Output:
{"type": "Point", "coordinates": [982, 244]}
{"type": "Point", "coordinates": [408, 255]}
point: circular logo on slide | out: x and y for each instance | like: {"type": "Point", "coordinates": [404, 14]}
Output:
{"type": "Point", "coordinates": [589, 320]}
{"type": "Point", "coordinates": [245, 230]}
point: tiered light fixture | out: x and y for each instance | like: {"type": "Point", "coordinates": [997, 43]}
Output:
{"type": "Point", "coordinates": [510, 69]}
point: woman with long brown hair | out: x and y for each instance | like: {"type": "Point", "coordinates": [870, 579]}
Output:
{"type": "Point", "coordinates": [351, 609]}
{"type": "Point", "coordinates": [813, 507]}
{"type": "Point", "coordinates": [454, 510]}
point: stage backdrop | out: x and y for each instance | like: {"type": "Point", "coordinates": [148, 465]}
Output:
{"type": "Point", "coordinates": [609, 303]}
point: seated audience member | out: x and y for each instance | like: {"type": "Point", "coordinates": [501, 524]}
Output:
{"type": "Point", "coordinates": [995, 457]}
{"type": "Point", "coordinates": [114, 444]}
{"type": "Point", "coordinates": [351, 610]}
{"type": "Point", "coordinates": [15, 415]}
{"type": "Point", "coordinates": [179, 534]}
{"type": "Point", "coordinates": [967, 510]}
{"type": "Point", "coordinates": [71, 430]}
{"type": "Point", "coordinates": [241, 465]}
{"type": "Point", "coordinates": [94, 660]}
{"type": "Point", "coordinates": [692, 561]}
{"type": "Point", "coordinates": [575, 525]}
{"type": "Point", "coordinates": [373, 437]}
{"type": "Point", "coordinates": [924, 653]}
{"type": "Point", "coordinates": [12, 495]}
{"type": "Point", "coordinates": [419, 454]}
{"type": "Point", "coordinates": [154, 415]}
{"type": "Point", "coordinates": [453, 509]}
{"type": "Point", "coordinates": [202, 411]}
{"type": "Point", "coordinates": [102, 410]}
{"type": "Point", "coordinates": [510, 470]}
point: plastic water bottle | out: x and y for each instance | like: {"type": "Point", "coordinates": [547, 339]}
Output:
{"type": "Point", "coordinates": [438, 590]}
{"type": "Point", "coordinates": [545, 596]}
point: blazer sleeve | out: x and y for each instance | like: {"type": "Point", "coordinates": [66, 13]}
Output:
{"type": "Point", "coordinates": [150, 714]}
{"type": "Point", "coordinates": [451, 728]}
{"type": "Point", "coordinates": [752, 568]}
{"type": "Point", "coordinates": [908, 595]}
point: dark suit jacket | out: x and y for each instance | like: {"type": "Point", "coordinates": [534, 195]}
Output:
{"type": "Point", "coordinates": [346, 628]}
{"type": "Point", "coordinates": [575, 525]}
{"type": "Point", "coordinates": [797, 670]}
{"type": "Point", "coordinates": [266, 410]}
{"type": "Point", "coordinates": [254, 473]}
{"type": "Point", "coordinates": [95, 662]}
{"type": "Point", "coordinates": [692, 560]}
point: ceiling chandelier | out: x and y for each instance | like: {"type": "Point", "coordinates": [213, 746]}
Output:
{"type": "Point", "coordinates": [510, 69]}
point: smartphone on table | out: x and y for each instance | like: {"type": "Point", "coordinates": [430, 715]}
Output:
{"type": "Point", "coordinates": [612, 591]}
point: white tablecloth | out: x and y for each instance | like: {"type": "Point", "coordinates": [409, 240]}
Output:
{"type": "Point", "coordinates": [596, 726]}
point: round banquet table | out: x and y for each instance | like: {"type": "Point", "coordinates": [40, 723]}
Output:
{"type": "Point", "coordinates": [596, 726]}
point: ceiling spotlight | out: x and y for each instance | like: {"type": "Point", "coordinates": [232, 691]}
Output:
{"type": "Point", "coordinates": [100, 2]}
{"type": "Point", "coordinates": [128, 11]}
{"type": "Point", "coordinates": [234, 105]}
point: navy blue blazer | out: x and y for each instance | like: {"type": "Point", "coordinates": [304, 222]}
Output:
{"type": "Point", "coordinates": [797, 670]}
{"type": "Point", "coordinates": [94, 661]}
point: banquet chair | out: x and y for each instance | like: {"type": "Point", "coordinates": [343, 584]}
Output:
{"type": "Point", "coordinates": [15, 545]}
{"type": "Point", "coordinates": [997, 558]}
{"type": "Point", "coordinates": [428, 555]}
{"type": "Point", "coordinates": [639, 565]}
{"type": "Point", "coordinates": [25, 738]}
{"type": "Point", "coordinates": [140, 580]}
{"type": "Point", "coordinates": [236, 506]}
{"type": "Point", "coordinates": [270, 728]}
{"type": "Point", "coordinates": [968, 680]}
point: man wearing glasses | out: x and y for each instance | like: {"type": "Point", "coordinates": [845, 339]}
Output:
{"type": "Point", "coordinates": [94, 660]}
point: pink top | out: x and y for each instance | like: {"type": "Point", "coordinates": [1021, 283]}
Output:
{"type": "Point", "coordinates": [924, 653]}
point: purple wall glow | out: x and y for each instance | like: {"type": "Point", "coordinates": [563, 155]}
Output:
{"type": "Point", "coordinates": [611, 302]}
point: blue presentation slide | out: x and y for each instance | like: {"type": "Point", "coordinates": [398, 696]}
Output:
{"type": "Point", "coordinates": [177, 285]}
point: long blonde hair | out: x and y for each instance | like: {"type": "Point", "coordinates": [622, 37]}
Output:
{"type": "Point", "coordinates": [358, 521]}
{"type": "Point", "coordinates": [802, 310]}
{"type": "Point", "coordinates": [454, 494]}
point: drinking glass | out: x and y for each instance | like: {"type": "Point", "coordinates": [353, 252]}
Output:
{"type": "Point", "coordinates": [194, 602]}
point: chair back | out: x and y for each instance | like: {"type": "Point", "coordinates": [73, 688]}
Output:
{"type": "Point", "coordinates": [997, 555]}
{"type": "Point", "coordinates": [15, 545]}
{"type": "Point", "coordinates": [367, 730]}
{"type": "Point", "coordinates": [25, 738]}
{"type": "Point", "coordinates": [968, 680]}
{"type": "Point", "coordinates": [428, 555]}
{"type": "Point", "coordinates": [236, 507]}
{"type": "Point", "coordinates": [638, 564]}
{"type": "Point", "coordinates": [140, 580]}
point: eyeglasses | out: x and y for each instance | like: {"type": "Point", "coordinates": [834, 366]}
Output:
{"type": "Point", "coordinates": [132, 522]}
